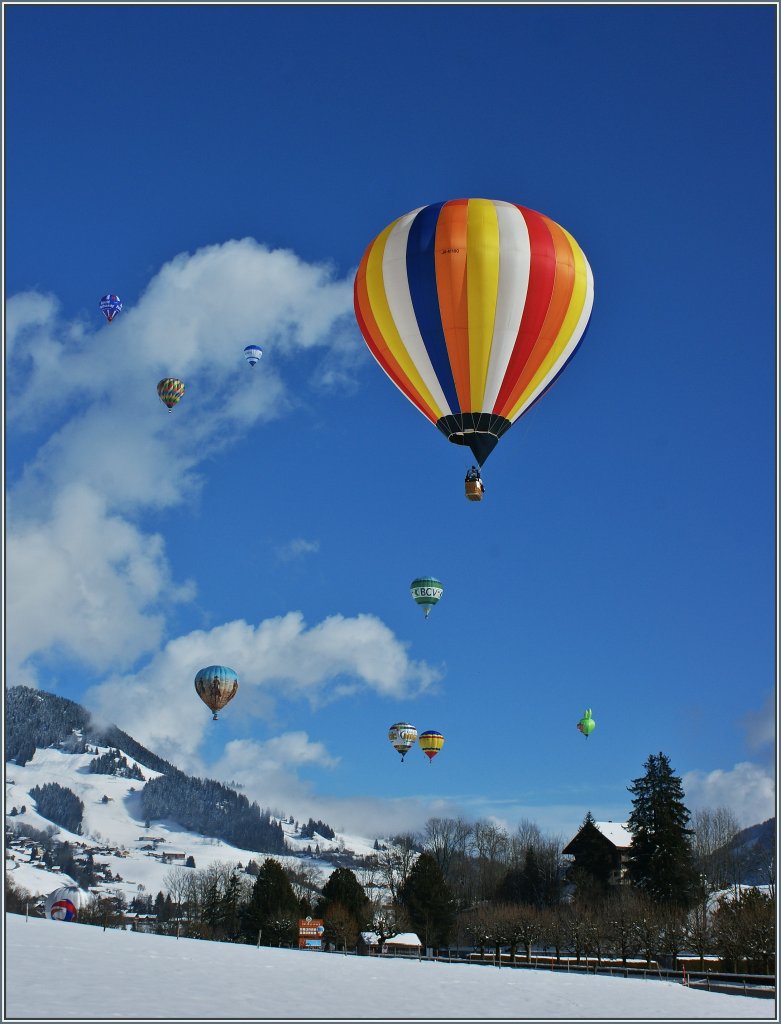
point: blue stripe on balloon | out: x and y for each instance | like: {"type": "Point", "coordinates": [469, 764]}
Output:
{"type": "Point", "coordinates": [422, 279]}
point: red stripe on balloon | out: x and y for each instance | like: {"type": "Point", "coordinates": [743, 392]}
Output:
{"type": "Point", "coordinates": [542, 275]}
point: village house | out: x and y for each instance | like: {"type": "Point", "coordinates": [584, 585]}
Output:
{"type": "Point", "coordinates": [617, 839]}
{"type": "Point", "coordinates": [403, 944]}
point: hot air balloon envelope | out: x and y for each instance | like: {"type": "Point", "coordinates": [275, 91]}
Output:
{"type": "Point", "coordinates": [170, 390]}
{"type": "Point", "coordinates": [252, 354]}
{"type": "Point", "coordinates": [473, 307]}
{"type": "Point", "coordinates": [110, 305]}
{"type": "Point", "coordinates": [216, 685]}
{"type": "Point", "coordinates": [426, 591]}
{"type": "Point", "coordinates": [63, 904]}
{"type": "Point", "coordinates": [587, 724]}
{"type": "Point", "coordinates": [402, 735]}
{"type": "Point", "coordinates": [431, 743]}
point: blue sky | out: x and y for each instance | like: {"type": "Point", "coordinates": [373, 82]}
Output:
{"type": "Point", "coordinates": [222, 168]}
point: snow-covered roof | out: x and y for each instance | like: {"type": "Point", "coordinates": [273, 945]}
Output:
{"type": "Point", "coordinates": [402, 939]}
{"type": "Point", "coordinates": [617, 832]}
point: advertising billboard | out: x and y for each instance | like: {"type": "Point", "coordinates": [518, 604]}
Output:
{"type": "Point", "coordinates": [310, 933]}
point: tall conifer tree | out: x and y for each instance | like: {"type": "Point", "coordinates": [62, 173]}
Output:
{"type": "Point", "coordinates": [343, 900]}
{"type": "Point", "coordinates": [661, 861]}
{"type": "Point", "coordinates": [428, 901]}
{"type": "Point", "coordinates": [273, 908]}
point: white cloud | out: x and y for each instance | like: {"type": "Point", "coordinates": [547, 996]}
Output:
{"type": "Point", "coordinates": [760, 725]}
{"type": "Point", "coordinates": [375, 816]}
{"type": "Point", "coordinates": [269, 773]}
{"type": "Point", "coordinates": [86, 583]}
{"type": "Point", "coordinates": [297, 548]}
{"type": "Point", "coordinates": [83, 572]}
{"type": "Point", "coordinates": [29, 318]}
{"type": "Point", "coordinates": [278, 659]}
{"type": "Point", "coordinates": [748, 790]}
{"type": "Point", "coordinates": [193, 321]}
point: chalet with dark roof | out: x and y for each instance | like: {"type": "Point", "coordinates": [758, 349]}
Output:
{"type": "Point", "coordinates": [617, 839]}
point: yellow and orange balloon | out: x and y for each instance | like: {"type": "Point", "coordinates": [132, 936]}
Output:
{"type": "Point", "coordinates": [431, 743]}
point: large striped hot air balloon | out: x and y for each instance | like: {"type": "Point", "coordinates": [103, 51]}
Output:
{"type": "Point", "coordinates": [473, 307]}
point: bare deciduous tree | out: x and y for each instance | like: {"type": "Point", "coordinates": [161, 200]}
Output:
{"type": "Point", "coordinates": [306, 881]}
{"type": "Point", "coordinates": [446, 838]}
{"type": "Point", "coordinates": [341, 927]}
{"type": "Point", "coordinates": [491, 846]}
{"type": "Point", "coordinates": [395, 862]}
{"type": "Point", "coordinates": [717, 861]}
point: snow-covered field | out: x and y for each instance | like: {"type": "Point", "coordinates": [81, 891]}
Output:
{"type": "Point", "coordinates": [61, 971]}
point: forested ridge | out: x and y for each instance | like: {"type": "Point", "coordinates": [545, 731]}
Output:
{"type": "Point", "coordinates": [35, 720]}
{"type": "Point", "coordinates": [209, 807]}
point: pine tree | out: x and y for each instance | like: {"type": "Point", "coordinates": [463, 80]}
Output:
{"type": "Point", "coordinates": [428, 901]}
{"type": "Point", "coordinates": [342, 895]}
{"type": "Point", "coordinates": [273, 908]}
{"type": "Point", "coordinates": [661, 861]}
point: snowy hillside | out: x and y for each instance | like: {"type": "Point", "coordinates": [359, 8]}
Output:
{"type": "Point", "coordinates": [113, 829]}
{"type": "Point", "coordinates": [122, 975]}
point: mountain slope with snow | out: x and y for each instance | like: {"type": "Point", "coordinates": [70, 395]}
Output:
{"type": "Point", "coordinates": [114, 830]}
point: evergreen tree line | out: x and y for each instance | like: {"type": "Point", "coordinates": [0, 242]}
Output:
{"type": "Point", "coordinates": [60, 805]}
{"type": "Point", "coordinates": [265, 905]}
{"type": "Point", "coordinates": [210, 808]}
{"type": "Point", "coordinates": [113, 762]}
{"type": "Point", "coordinates": [308, 831]}
{"type": "Point", "coordinates": [35, 719]}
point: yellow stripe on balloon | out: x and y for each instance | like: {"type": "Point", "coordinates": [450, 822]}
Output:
{"type": "Point", "coordinates": [378, 301]}
{"type": "Point", "coordinates": [564, 335]}
{"type": "Point", "coordinates": [482, 281]}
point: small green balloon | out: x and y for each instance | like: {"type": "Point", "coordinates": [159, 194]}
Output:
{"type": "Point", "coordinates": [586, 724]}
